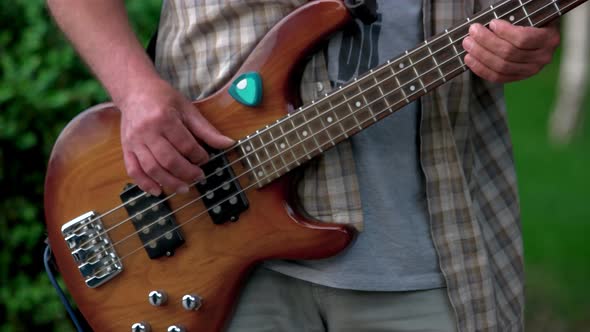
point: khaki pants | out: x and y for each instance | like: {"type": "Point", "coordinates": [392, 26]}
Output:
{"type": "Point", "coordinates": [273, 302]}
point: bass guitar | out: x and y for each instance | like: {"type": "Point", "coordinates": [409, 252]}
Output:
{"type": "Point", "coordinates": [176, 262]}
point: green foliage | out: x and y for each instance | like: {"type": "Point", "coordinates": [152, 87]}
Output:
{"type": "Point", "coordinates": [43, 85]}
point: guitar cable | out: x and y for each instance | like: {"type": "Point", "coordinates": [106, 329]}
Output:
{"type": "Point", "coordinates": [47, 257]}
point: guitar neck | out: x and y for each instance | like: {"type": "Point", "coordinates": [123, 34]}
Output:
{"type": "Point", "coordinates": [275, 150]}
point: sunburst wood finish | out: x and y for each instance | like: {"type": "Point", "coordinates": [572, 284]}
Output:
{"type": "Point", "coordinates": [86, 173]}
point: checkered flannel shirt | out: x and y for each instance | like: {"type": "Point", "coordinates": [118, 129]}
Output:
{"type": "Point", "coordinates": [465, 149]}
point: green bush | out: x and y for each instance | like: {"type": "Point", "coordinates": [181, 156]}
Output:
{"type": "Point", "coordinates": [43, 85]}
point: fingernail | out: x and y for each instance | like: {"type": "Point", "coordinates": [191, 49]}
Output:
{"type": "Point", "coordinates": [468, 61]}
{"type": "Point", "coordinates": [493, 25]}
{"type": "Point", "coordinates": [468, 44]}
{"type": "Point", "coordinates": [182, 190]}
{"type": "Point", "coordinates": [155, 192]}
{"type": "Point", "coordinates": [473, 30]}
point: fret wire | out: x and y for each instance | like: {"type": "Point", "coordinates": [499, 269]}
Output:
{"type": "Point", "coordinates": [246, 155]}
{"type": "Point", "coordinates": [270, 160]}
{"type": "Point", "coordinates": [494, 11]}
{"type": "Point", "coordinates": [394, 75]}
{"type": "Point", "coordinates": [438, 67]}
{"type": "Point", "coordinates": [378, 84]}
{"type": "Point", "coordinates": [334, 113]}
{"type": "Point", "coordinates": [289, 143]}
{"type": "Point", "coordinates": [321, 117]}
{"type": "Point", "coordinates": [311, 132]}
{"type": "Point", "coordinates": [526, 13]}
{"type": "Point", "coordinates": [277, 147]}
{"type": "Point", "coordinates": [556, 7]}
{"type": "Point", "coordinates": [356, 120]}
{"type": "Point", "coordinates": [365, 101]}
{"type": "Point", "coordinates": [300, 140]}
{"type": "Point", "coordinates": [455, 48]}
{"type": "Point", "coordinates": [416, 72]}
{"type": "Point", "coordinates": [260, 164]}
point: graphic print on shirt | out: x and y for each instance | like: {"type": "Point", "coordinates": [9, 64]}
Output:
{"type": "Point", "coordinates": [359, 50]}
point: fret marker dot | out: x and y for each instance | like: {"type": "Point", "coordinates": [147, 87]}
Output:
{"type": "Point", "coordinates": [260, 173]}
{"type": "Point", "coordinates": [401, 65]}
{"type": "Point", "coordinates": [511, 18]}
{"type": "Point", "coordinates": [248, 148]}
{"type": "Point", "coordinates": [282, 145]}
{"type": "Point", "coordinates": [329, 119]}
{"type": "Point", "coordinates": [357, 104]}
{"type": "Point", "coordinates": [304, 133]}
{"type": "Point", "coordinates": [412, 88]}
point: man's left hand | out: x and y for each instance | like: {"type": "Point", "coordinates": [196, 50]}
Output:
{"type": "Point", "coordinates": [507, 53]}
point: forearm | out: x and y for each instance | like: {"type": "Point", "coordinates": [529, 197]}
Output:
{"type": "Point", "coordinates": [100, 32]}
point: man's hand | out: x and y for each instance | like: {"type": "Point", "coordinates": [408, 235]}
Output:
{"type": "Point", "coordinates": [507, 53]}
{"type": "Point", "coordinates": [159, 126]}
{"type": "Point", "coordinates": [159, 132]}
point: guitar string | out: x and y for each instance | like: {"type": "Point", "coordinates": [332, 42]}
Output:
{"type": "Point", "coordinates": [253, 184]}
{"type": "Point", "coordinates": [287, 166]}
{"type": "Point", "coordinates": [301, 110]}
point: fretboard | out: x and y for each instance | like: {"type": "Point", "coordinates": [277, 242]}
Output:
{"type": "Point", "coordinates": [309, 131]}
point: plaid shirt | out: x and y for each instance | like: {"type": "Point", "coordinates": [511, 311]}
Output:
{"type": "Point", "coordinates": [465, 149]}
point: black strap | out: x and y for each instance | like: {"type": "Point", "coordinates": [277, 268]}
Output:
{"type": "Point", "coordinates": [364, 10]}
{"type": "Point", "coordinates": [151, 47]}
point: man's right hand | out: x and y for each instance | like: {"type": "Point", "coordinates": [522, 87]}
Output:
{"type": "Point", "coordinates": [160, 128]}
{"type": "Point", "coordinates": [160, 134]}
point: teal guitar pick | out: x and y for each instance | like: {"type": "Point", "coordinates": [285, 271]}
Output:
{"type": "Point", "coordinates": [247, 89]}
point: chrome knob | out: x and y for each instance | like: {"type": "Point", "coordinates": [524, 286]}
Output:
{"type": "Point", "coordinates": [191, 302]}
{"type": "Point", "coordinates": [176, 328]}
{"type": "Point", "coordinates": [157, 298]}
{"type": "Point", "coordinates": [141, 327]}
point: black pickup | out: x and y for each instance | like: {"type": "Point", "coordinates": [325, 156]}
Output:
{"type": "Point", "coordinates": [222, 194]}
{"type": "Point", "coordinates": [154, 222]}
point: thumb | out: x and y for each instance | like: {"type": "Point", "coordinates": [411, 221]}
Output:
{"type": "Point", "coordinates": [205, 131]}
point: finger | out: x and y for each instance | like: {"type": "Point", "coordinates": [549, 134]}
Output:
{"type": "Point", "coordinates": [156, 172]}
{"type": "Point", "coordinates": [185, 143]}
{"type": "Point", "coordinates": [497, 63]}
{"type": "Point", "coordinates": [486, 73]}
{"type": "Point", "coordinates": [173, 162]}
{"type": "Point", "coordinates": [502, 48]}
{"type": "Point", "coordinates": [139, 177]}
{"type": "Point", "coordinates": [202, 129]}
{"type": "Point", "coordinates": [526, 38]}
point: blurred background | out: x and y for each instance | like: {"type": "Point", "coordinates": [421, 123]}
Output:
{"type": "Point", "coordinates": [43, 85]}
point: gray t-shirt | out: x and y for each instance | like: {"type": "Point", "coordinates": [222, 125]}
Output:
{"type": "Point", "coordinates": [395, 251]}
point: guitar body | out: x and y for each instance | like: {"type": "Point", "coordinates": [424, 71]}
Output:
{"type": "Point", "coordinates": [86, 172]}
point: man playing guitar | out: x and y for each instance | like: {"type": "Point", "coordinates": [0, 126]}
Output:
{"type": "Point", "coordinates": [432, 188]}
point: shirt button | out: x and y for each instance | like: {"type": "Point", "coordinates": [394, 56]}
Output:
{"type": "Point", "coordinates": [319, 86]}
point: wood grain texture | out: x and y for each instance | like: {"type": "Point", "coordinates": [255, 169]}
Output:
{"type": "Point", "coordinates": [86, 173]}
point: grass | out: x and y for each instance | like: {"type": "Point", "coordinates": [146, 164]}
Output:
{"type": "Point", "coordinates": [555, 199]}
